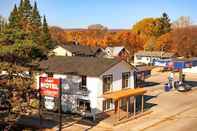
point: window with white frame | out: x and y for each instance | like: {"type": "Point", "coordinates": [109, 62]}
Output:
{"type": "Point", "coordinates": [83, 105]}
{"type": "Point", "coordinates": [125, 79]}
{"type": "Point", "coordinates": [107, 104]}
{"type": "Point", "coordinates": [83, 84]}
{"type": "Point", "coordinates": [107, 83]}
{"type": "Point", "coordinates": [139, 57]}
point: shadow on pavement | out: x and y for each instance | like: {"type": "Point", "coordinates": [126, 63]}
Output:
{"type": "Point", "coordinates": [35, 122]}
{"type": "Point", "coordinates": [148, 84]}
{"type": "Point", "coordinates": [148, 105]}
{"type": "Point", "coordinates": [192, 83]}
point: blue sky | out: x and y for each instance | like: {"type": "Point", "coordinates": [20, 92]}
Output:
{"type": "Point", "coordinates": [111, 13]}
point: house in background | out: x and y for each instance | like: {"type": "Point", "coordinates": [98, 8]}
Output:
{"type": "Point", "coordinates": [77, 50]}
{"type": "Point", "coordinates": [90, 51]}
{"type": "Point", "coordinates": [90, 84]}
{"type": "Point", "coordinates": [148, 57]}
{"type": "Point", "coordinates": [117, 52]}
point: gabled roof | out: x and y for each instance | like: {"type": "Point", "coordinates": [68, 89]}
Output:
{"type": "Point", "coordinates": [89, 66]}
{"type": "Point", "coordinates": [81, 49]}
{"type": "Point", "coordinates": [155, 54]}
{"type": "Point", "coordinates": [114, 51]}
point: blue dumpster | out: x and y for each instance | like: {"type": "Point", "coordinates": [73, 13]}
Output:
{"type": "Point", "coordinates": [167, 87]}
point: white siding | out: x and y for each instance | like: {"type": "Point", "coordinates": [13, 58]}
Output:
{"type": "Point", "coordinates": [190, 70]}
{"type": "Point", "coordinates": [94, 85]}
{"type": "Point", "coordinates": [117, 71]}
{"type": "Point", "coordinates": [60, 51]}
{"type": "Point", "coordinates": [144, 59]}
{"type": "Point", "coordinates": [71, 92]}
{"type": "Point", "coordinates": [72, 83]}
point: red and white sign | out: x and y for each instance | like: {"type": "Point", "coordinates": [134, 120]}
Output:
{"type": "Point", "coordinates": [188, 65]}
{"type": "Point", "coordinates": [49, 86]}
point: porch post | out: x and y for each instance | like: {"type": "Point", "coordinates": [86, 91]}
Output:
{"type": "Point", "coordinates": [84, 107]}
{"type": "Point", "coordinates": [142, 107]}
{"type": "Point", "coordinates": [134, 106]}
{"type": "Point", "coordinates": [128, 106]}
{"type": "Point", "coordinates": [118, 109]}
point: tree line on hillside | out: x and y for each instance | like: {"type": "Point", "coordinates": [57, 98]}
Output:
{"type": "Point", "coordinates": [150, 34]}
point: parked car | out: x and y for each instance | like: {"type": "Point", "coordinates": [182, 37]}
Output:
{"type": "Point", "coordinates": [182, 87]}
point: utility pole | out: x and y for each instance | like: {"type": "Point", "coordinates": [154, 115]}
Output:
{"type": "Point", "coordinates": [60, 105]}
{"type": "Point", "coordinates": [40, 101]}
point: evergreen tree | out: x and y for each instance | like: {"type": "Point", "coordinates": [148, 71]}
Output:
{"type": "Point", "coordinates": [36, 18]}
{"type": "Point", "coordinates": [25, 15]}
{"type": "Point", "coordinates": [20, 7]}
{"type": "Point", "coordinates": [46, 35]}
{"type": "Point", "coordinates": [26, 9]}
{"type": "Point", "coordinates": [3, 24]}
{"type": "Point", "coordinates": [165, 25]}
{"type": "Point", "coordinates": [36, 24]}
{"type": "Point", "coordinates": [25, 39]}
{"type": "Point", "coordinates": [14, 18]}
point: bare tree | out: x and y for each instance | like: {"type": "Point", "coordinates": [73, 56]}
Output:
{"type": "Point", "coordinates": [183, 21]}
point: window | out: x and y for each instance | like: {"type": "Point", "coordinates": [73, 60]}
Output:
{"type": "Point", "coordinates": [83, 105]}
{"type": "Point", "coordinates": [139, 57]}
{"type": "Point", "coordinates": [107, 83]}
{"type": "Point", "coordinates": [50, 74]}
{"type": "Point", "coordinates": [123, 102]}
{"type": "Point", "coordinates": [107, 104]}
{"type": "Point", "coordinates": [125, 79]}
{"type": "Point", "coordinates": [83, 84]}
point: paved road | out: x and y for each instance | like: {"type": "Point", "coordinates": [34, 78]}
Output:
{"type": "Point", "coordinates": [186, 121]}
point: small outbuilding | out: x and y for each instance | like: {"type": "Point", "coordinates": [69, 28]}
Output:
{"type": "Point", "coordinates": [148, 57]}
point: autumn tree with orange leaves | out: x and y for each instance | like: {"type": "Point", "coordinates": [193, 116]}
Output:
{"type": "Point", "coordinates": [152, 34]}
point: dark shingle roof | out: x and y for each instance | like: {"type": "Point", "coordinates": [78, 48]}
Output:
{"type": "Point", "coordinates": [155, 53]}
{"type": "Point", "coordinates": [81, 49]}
{"type": "Point", "coordinates": [88, 66]}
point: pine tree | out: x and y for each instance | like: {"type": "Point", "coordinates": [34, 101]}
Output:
{"type": "Point", "coordinates": [20, 8]}
{"type": "Point", "coordinates": [25, 15]}
{"type": "Point", "coordinates": [26, 9]}
{"type": "Point", "coordinates": [36, 18]}
{"type": "Point", "coordinates": [165, 24]}
{"type": "Point", "coordinates": [46, 35]}
{"type": "Point", "coordinates": [36, 24]}
{"type": "Point", "coordinates": [2, 24]}
{"type": "Point", "coordinates": [14, 18]}
{"type": "Point", "coordinates": [25, 35]}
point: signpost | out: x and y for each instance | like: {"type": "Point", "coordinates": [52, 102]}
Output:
{"type": "Point", "coordinates": [50, 88]}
